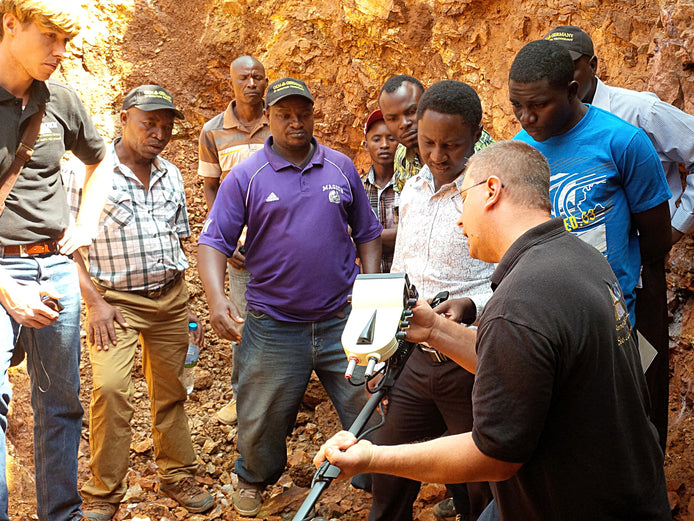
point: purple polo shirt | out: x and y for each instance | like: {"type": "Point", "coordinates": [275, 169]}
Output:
{"type": "Point", "coordinates": [299, 251]}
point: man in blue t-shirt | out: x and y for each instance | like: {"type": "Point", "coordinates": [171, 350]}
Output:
{"type": "Point", "coordinates": [607, 181]}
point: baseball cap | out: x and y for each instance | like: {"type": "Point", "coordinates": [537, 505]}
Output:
{"type": "Point", "coordinates": [150, 97]}
{"type": "Point", "coordinates": [280, 89]}
{"type": "Point", "coordinates": [575, 40]}
{"type": "Point", "coordinates": [375, 116]}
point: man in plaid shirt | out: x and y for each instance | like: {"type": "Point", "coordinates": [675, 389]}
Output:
{"type": "Point", "coordinates": [137, 292]}
{"type": "Point", "coordinates": [378, 181]}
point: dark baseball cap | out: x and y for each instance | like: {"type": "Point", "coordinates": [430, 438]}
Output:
{"type": "Point", "coordinates": [284, 87]}
{"type": "Point", "coordinates": [575, 40]}
{"type": "Point", "coordinates": [150, 97]}
{"type": "Point", "coordinates": [375, 116]}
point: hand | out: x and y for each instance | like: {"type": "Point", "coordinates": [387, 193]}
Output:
{"type": "Point", "coordinates": [24, 305]}
{"type": "Point", "coordinates": [355, 459]}
{"type": "Point", "coordinates": [238, 259]}
{"type": "Point", "coordinates": [100, 324]}
{"type": "Point", "coordinates": [458, 310]}
{"type": "Point", "coordinates": [422, 322]}
{"type": "Point", "coordinates": [221, 316]}
{"type": "Point", "coordinates": [75, 237]}
{"type": "Point", "coordinates": [200, 331]}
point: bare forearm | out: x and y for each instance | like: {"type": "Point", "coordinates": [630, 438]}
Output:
{"type": "Point", "coordinates": [212, 268]}
{"type": "Point", "coordinates": [97, 185]}
{"type": "Point", "coordinates": [388, 239]}
{"type": "Point", "coordinates": [450, 459]}
{"type": "Point", "coordinates": [210, 187]}
{"type": "Point", "coordinates": [87, 289]}
{"type": "Point", "coordinates": [455, 341]}
{"type": "Point", "coordinates": [370, 255]}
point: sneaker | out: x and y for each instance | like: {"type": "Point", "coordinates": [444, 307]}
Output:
{"type": "Point", "coordinates": [189, 495]}
{"type": "Point", "coordinates": [227, 414]}
{"type": "Point", "coordinates": [99, 510]}
{"type": "Point", "coordinates": [247, 499]}
{"type": "Point", "coordinates": [445, 510]}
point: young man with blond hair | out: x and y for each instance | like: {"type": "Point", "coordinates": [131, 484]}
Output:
{"type": "Point", "coordinates": [39, 295]}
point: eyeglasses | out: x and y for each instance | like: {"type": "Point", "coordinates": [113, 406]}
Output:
{"type": "Point", "coordinates": [473, 186]}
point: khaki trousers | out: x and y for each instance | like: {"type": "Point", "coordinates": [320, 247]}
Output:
{"type": "Point", "coordinates": [161, 325]}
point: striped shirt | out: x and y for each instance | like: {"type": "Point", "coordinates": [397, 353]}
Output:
{"type": "Point", "coordinates": [138, 243]}
{"type": "Point", "coordinates": [382, 203]}
{"type": "Point", "coordinates": [225, 142]}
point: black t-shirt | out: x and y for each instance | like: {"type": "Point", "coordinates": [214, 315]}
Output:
{"type": "Point", "coordinates": [36, 208]}
{"type": "Point", "coordinates": [559, 387]}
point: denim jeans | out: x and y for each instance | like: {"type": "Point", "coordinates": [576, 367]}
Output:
{"type": "Point", "coordinates": [53, 355]}
{"type": "Point", "coordinates": [275, 360]}
{"type": "Point", "coordinates": [491, 513]}
{"type": "Point", "coordinates": [238, 280]}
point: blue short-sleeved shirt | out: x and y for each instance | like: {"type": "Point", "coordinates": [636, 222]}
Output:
{"type": "Point", "coordinates": [604, 170]}
{"type": "Point", "coordinates": [299, 250]}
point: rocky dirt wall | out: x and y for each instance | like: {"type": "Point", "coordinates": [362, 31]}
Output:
{"type": "Point", "coordinates": [345, 49]}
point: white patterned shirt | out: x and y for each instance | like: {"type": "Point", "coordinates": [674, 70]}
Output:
{"type": "Point", "coordinates": [431, 248]}
{"type": "Point", "coordinates": [138, 243]}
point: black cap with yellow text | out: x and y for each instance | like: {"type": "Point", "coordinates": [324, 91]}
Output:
{"type": "Point", "coordinates": [573, 39]}
{"type": "Point", "coordinates": [284, 87]}
{"type": "Point", "coordinates": [150, 97]}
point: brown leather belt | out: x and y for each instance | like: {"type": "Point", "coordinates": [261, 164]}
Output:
{"type": "Point", "coordinates": [162, 290]}
{"type": "Point", "coordinates": [435, 356]}
{"type": "Point", "coordinates": [30, 250]}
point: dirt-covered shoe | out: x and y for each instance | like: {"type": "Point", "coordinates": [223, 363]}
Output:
{"type": "Point", "coordinates": [247, 499]}
{"type": "Point", "coordinates": [445, 510]}
{"type": "Point", "coordinates": [99, 510]}
{"type": "Point", "coordinates": [227, 414]}
{"type": "Point", "coordinates": [189, 495]}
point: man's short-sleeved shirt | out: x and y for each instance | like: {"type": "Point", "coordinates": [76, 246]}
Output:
{"type": "Point", "coordinates": [559, 388]}
{"type": "Point", "coordinates": [224, 142]}
{"type": "Point", "coordinates": [137, 246]}
{"type": "Point", "coordinates": [671, 131]}
{"type": "Point", "coordinates": [36, 207]}
{"type": "Point", "coordinates": [604, 170]}
{"type": "Point", "coordinates": [299, 251]}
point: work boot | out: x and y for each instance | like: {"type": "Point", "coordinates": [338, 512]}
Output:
{"type": "Point", "coordinates": [189, 495]}
{"type": "Point", "coordinates": [445, 510]}
{"type": "Point", "coordinates": [247, 499]}
{"type": "Point", "coordinates": [227, 414]}
{"type": "Point", "coordinates": [99, 510]}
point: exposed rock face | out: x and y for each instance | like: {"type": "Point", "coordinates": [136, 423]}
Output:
{"type": "Point", "coordinates": [346, 49]}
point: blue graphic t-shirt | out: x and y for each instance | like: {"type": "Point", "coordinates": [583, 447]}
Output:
{"type": "Point", "coordinates": [604, 170]}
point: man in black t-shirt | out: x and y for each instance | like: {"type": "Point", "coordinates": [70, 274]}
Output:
{"type": "Point", "coordinates": [560, 424]}
{"type": "Point", "coordinates": [39, 290]}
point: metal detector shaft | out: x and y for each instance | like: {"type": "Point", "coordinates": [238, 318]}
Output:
{"type": "Point", "coordinates": [327, 472]}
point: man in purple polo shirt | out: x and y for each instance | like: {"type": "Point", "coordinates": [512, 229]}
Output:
{"type": "Point", "coordinates": [303, 204]}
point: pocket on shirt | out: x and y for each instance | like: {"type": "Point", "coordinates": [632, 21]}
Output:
{"type": "Point", "coordinates": [167, 213]}
{"type": "Point", "coordinates": [118, 212]}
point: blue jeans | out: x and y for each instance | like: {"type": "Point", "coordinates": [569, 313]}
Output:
{"type": "Point", "coordinates": [275, 360]}
{"type": "Point", "coordinates": [53, 356]}
{"type": "Point", "coordinates": [491, 513]}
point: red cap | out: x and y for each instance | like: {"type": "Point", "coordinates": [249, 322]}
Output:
{"type": "Point", "coordinates": [375, 116]}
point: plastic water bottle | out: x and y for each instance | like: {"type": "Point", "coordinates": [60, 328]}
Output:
{"type": "Point", "coordinates": [191, 358]}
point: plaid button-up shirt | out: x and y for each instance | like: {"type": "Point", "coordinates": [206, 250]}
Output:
{"type": "Point", "coordinates": [138, 243]}
{"type": "Point", "coordinates": [382, 201]}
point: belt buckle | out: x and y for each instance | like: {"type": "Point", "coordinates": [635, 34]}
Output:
{"type": "Point", "coordinates": [434, 354]}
